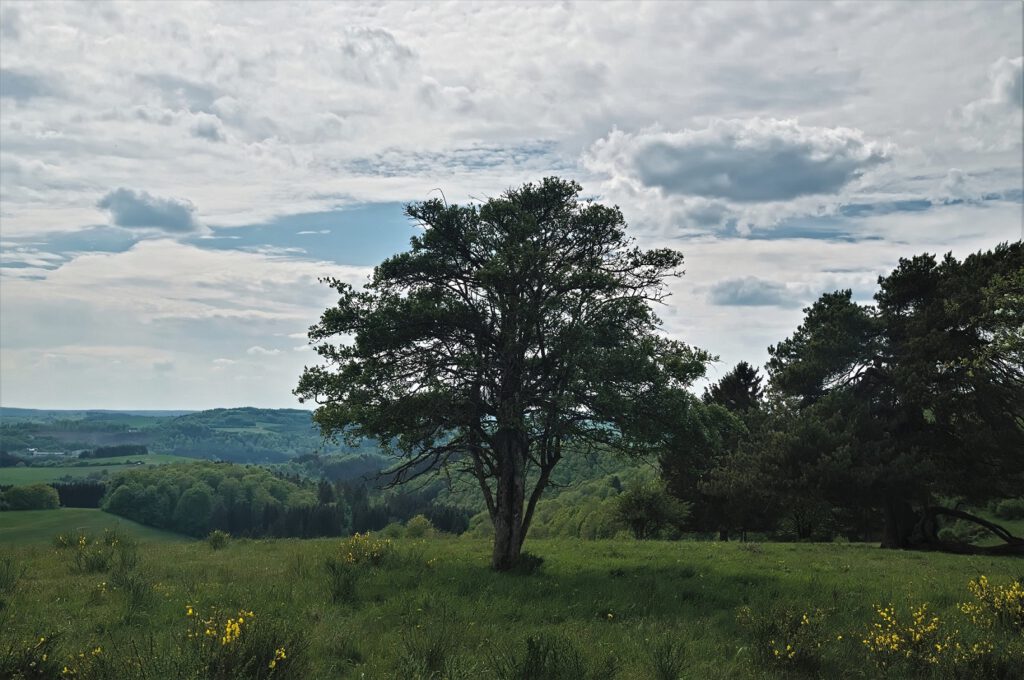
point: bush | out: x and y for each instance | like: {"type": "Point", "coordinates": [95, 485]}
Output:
{"type": "Point", "coordinates": [365, 549]}
{"type": "Point", "coordinates": [32, 497]}
{"type": "Point", "coordinates": [419, 527]}
{"type": "Point", "coordinates": [217, 539]}
{"type": "Point", "coordinates": [787, 639]}
{"type": "Point", "coordinates": [393, 530]}
{"type": "Point", "coordinates": [1011, 508]}
{"type": "Point", "coordinates": [647, 509]}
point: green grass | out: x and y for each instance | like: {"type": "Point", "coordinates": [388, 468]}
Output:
{"type": "Point", "coordinates": [35, 527]}
{"type": "Point", "coordinates": [89, 467]}
{"type": "Point", "coordinates": [607, 608]}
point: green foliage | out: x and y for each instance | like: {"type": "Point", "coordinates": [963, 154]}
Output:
{"type": "Point", "coordinates": [218, 539]}
{"type": "Point", "coordinates": [508, 332]}
{"type": "Point", "coordinates": [342, 580]}
{"type": "Point", "coordinates": [197, 498]}
{"type": "Point", "coordinates": [920, 395]}
{"type": "Point", "coordinates": [10, 574]}
{"type": "Point", "coordinates": [658, 591]}
{"type": "Point", "coordinates": [739, 390]}
{"type": "Point", "coordinates": [528, 564]}
{"type": "Point", "coordinates": [115, 451]}
{"type": "Point", "coordinates": [1010, 508]}
{"type": "Point", "coordinates": [667, 658]}
{"type": "Point", "coordinates": [786, 639]}
{"type": "Point", "coordinates": [648, 510]}
{"type": "Point", "coordinates": [418, 527]}
{"type": "Point", "coordinates": [543, 658]}
{"type": "Point", "coordinates": [31, 497]}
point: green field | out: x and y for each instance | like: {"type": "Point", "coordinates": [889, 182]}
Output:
{"type": "Point", "coordinates": [32, 527]}
{"type": "Point", "coordinates": [82, 468]}
{"type": "Point", "coordinates": [433, 609]}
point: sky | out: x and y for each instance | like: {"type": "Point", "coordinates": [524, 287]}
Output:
{"type": "Point", "coordinates": [175, 178]}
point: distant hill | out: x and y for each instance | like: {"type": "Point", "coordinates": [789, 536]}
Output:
{"type": "Point", "coordinates": [9, 414]}
{"type": "Point", "coordinates": [244, 435]}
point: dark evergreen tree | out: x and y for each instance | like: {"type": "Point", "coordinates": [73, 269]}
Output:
{"type": "Point", "coordinates": [739, 390]}
{"type": "Point", "coordinates": [926, 387]}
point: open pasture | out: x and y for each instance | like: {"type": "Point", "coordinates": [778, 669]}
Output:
{"type": "Point", "coordinates": [368, 608]}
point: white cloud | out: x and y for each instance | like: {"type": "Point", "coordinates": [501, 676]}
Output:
{"type": "Point", "coordinates": [241, 118]}
{"type": "Point", "coordinates": [995, 121]}
{"type": "Point", "coordinates": [160, 304]}
{"type": "Point", "coordinates": [209, 127]}
{"type": "Point", "coordinates": [256, 350]}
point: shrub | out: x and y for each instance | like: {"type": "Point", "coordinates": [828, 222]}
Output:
{"type": "Point", "coordinates": [419, 527]}
{"type": "Point", "coordinates": [217, 539]}
{"type": "Point", "coordinates": [784, 638]}
{"type": "Point", "coordinates": [32, 497]}
{"type": "Point", "coordinates": [647, 509]}
{"type": "Point", "coordinates": [240, 646]}
{"type": "Point", "coordinates": [1010, 508]}
{"type": "Point", "coordinates": [365, 549]}
{"type": "Point", "coordinates": [91, 555]}
{"type": "Point", "coordinates": [393, 530]}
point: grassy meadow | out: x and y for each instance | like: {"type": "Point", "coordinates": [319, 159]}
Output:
{"type": "Point", "coordinates": [38, 527]}
{"type": "Point", "coordinates": [82, 468]}
{"type": "Point", "coordinates": [431, 608]}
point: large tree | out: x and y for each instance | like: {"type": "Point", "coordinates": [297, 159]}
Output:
{"type": "Point", "coordinates": [510, 334]}
{"type": "Point", "coordinates": [928, 381]}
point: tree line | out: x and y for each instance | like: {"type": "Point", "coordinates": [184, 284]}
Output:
{"type": "Point", "coordinates": [521, 329]}
{"type": "Point", "coordinates": [876, 421]}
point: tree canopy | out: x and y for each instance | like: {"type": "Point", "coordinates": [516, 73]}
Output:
{"type": "Point", "coordinates": [510, 334]}
{"type": "Point", "coordinates": [929, 383]}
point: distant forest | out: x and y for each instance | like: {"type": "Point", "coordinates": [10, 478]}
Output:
{"type": "Point", "coordinates": [241, 435]}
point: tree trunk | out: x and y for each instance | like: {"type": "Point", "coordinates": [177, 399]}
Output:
{"type": "Point", "coordinates": [510, 447]}
{"type": "Point", "coordinates": [900, 520]}
{"type": "Point", "coordinates": [906, 529]}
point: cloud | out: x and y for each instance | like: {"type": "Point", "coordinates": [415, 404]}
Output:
{"type": "Point", "coordinates": [752, 291]}
{"type": "Point", "coordinates": [371, 56]}
{"type": "Point", "coordinates": [995, 121]}
{"type": "Point", "coordinates": [954, 185]}
{"type": "Point", "coordinates": [743, 161]}
{"type": "Point", "coordinates": [138, 209]}
{"type": "Point", "coordinates": [256, 350]}
{"type": "Point", "coordinates": [10, 22]}
{"type": "Point", "coordinates": [23, 85]}
{"type": "Point", "coordinates": [180, 93]}
{"type": "Point", "coordinates": [208, 126]}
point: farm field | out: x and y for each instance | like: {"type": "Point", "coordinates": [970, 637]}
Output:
{"type": "Point", "coordinates": [38, 527]}
{"type": "Point", "coordinates": [82, 468]}
{"type": "Point", "coordinates": [431, 608]}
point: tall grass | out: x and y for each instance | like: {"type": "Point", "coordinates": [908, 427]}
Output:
{"type": "Point", "coordinates": [432, 609]}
